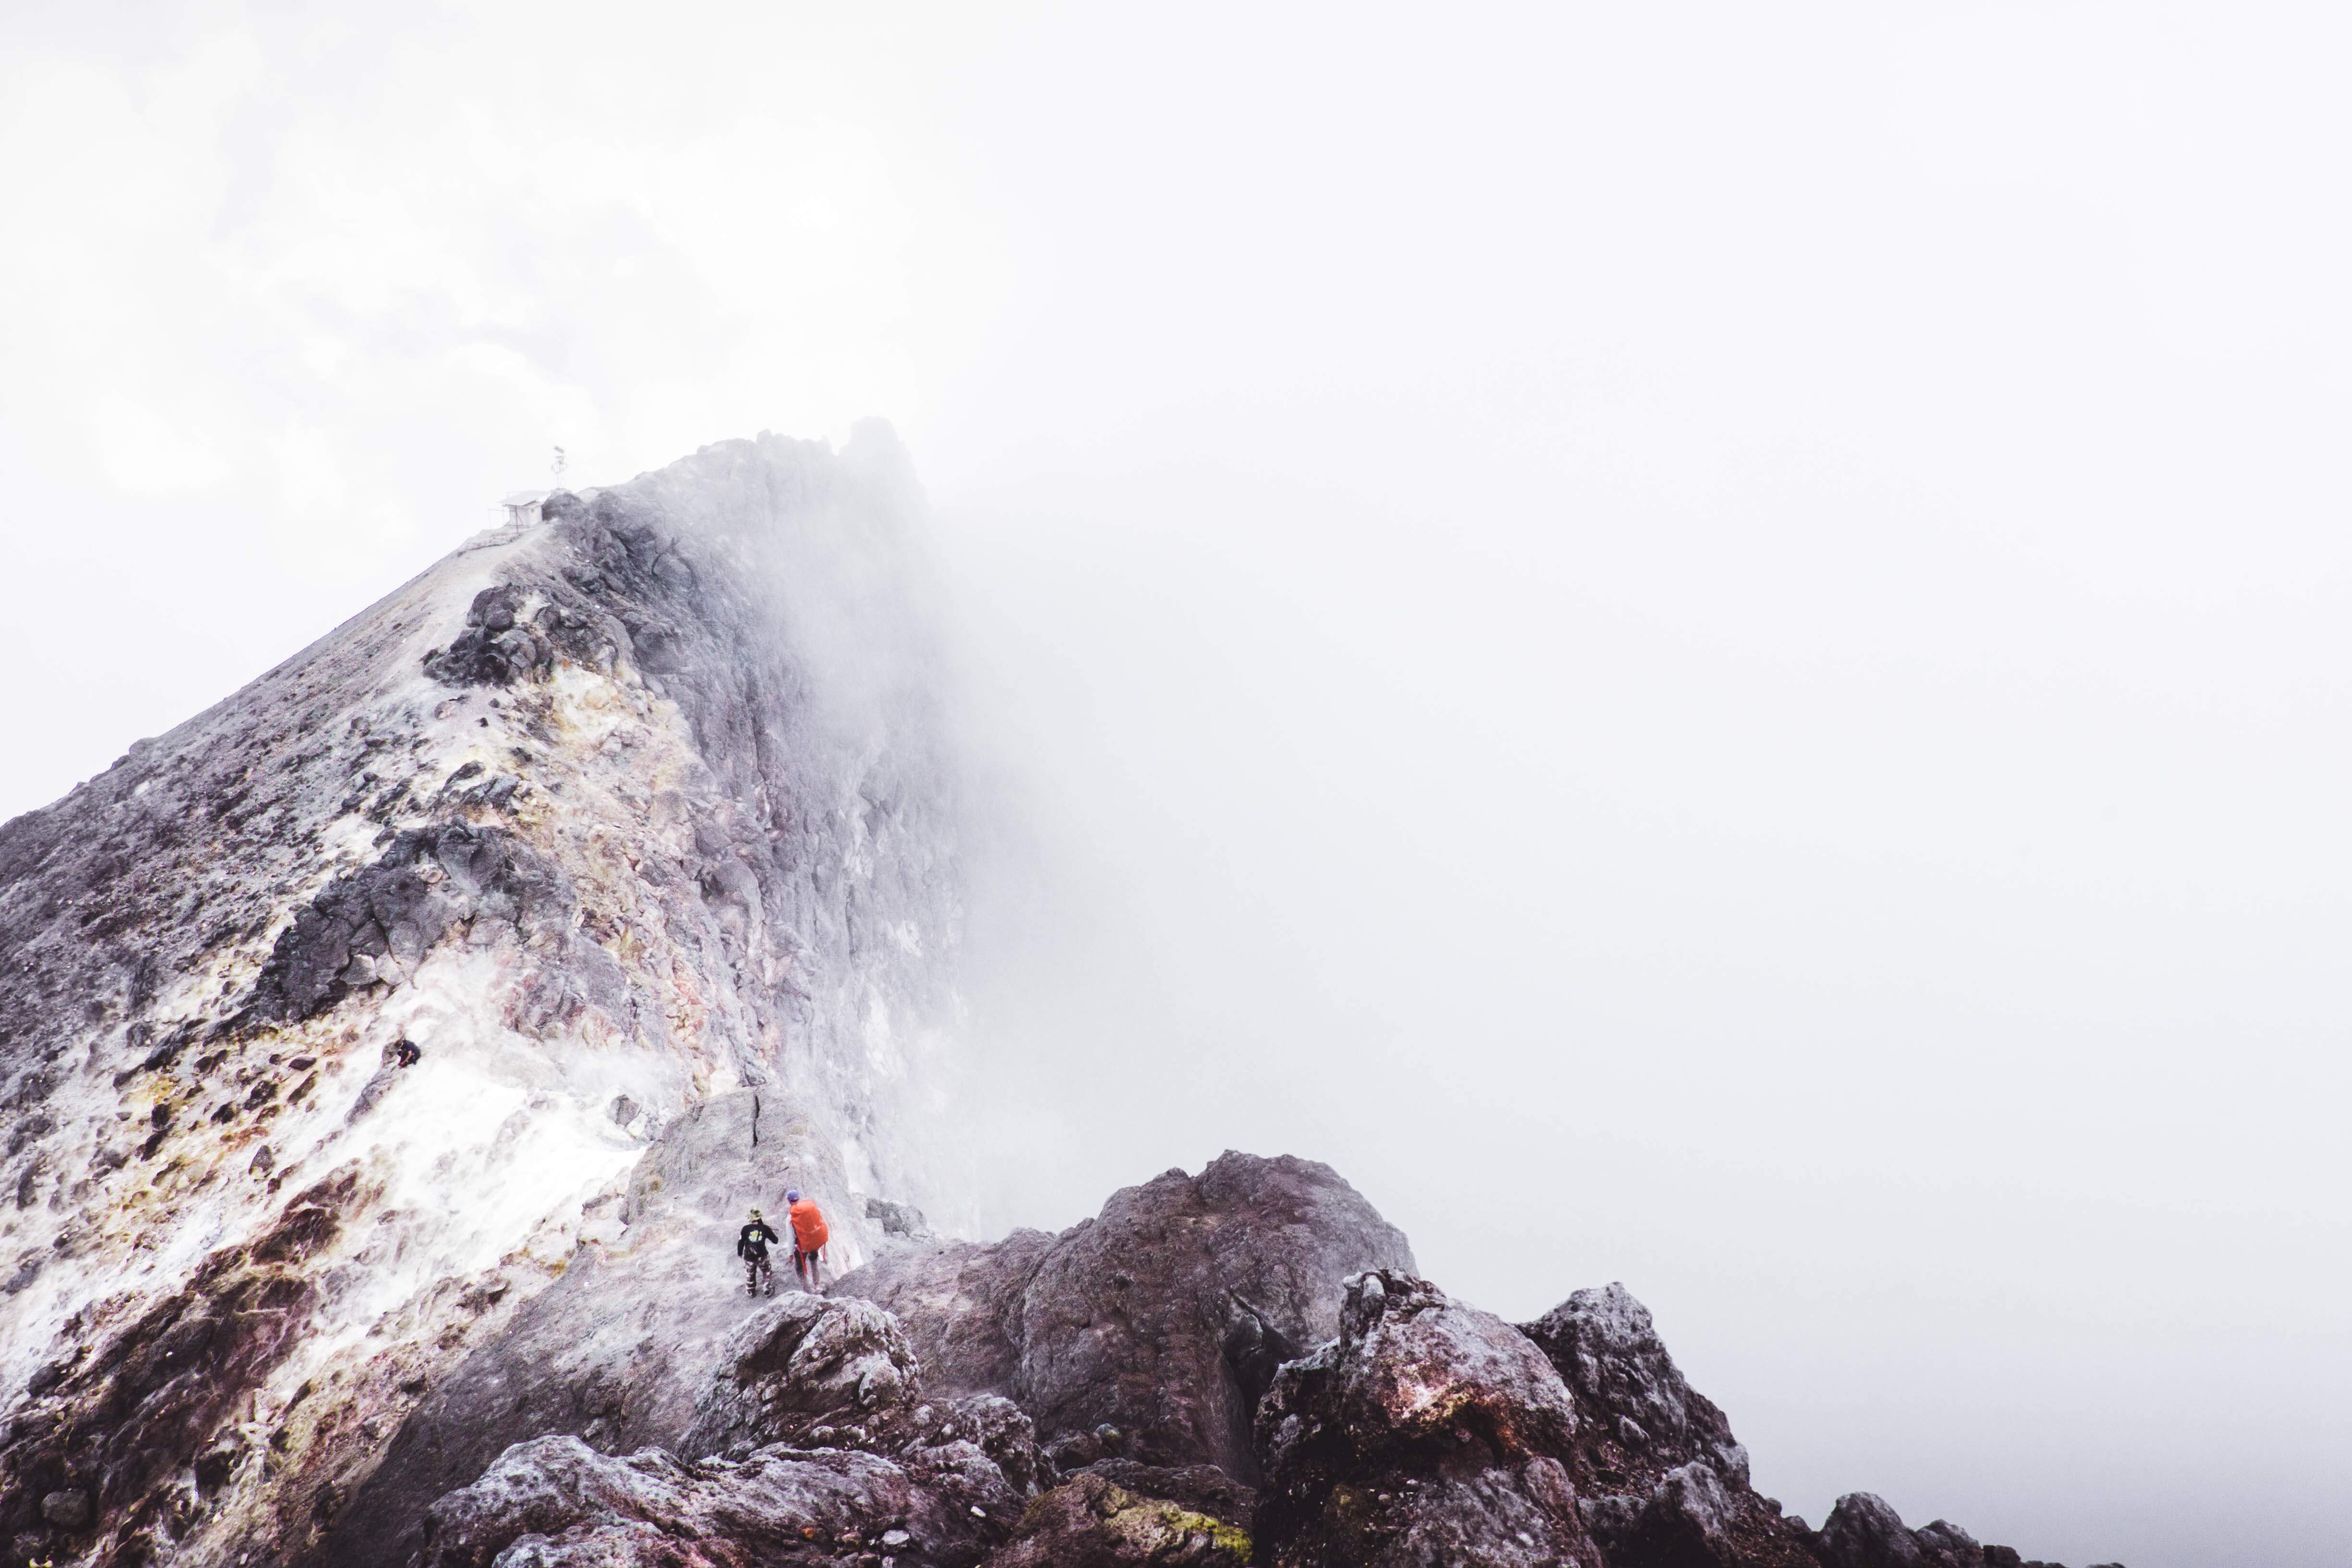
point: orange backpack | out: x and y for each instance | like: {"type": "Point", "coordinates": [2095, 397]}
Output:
{"type": "Point", "coordinates": [808, 1226]}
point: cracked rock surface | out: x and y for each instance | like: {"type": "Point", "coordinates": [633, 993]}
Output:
{"type": "Point", "coordinates": [1428, 1431]}
{"type": "Point", "coordinates": [1662, 1481]}
{"type": "Point", "coordinates": [813, 1445]}
{"type": "Point", "coordinates": [1151, 1332]}
{"type": "Point", "coordinates": [556, 1502]}
{"type": "Point", "coordinates": [801, 1363]}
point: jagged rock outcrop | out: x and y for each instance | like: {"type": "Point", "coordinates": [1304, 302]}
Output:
{"type": "Point", "coordinates": [1864, 1531]}
{"type": "Point", "coordinates": [558, 1503]}
{"type": "Point", "coordinates": [1641, 1417]}
{"type": "Point", "coordinates": [1427, 1432]}
{"type": "Point", "coordinates": [806, 1362]}
{"type": "Point", "coordinates": [1662, 1481]}
{"type": "Point", "coordinates": [812, 1444]}
{"type": "Point", "coordinates": [595, 826]}
{"type": "Point", "coordinates": [1151, 1332]}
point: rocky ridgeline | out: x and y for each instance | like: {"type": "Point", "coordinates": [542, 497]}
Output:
{"type": "Point", "coordinates": [1131, 1393]}
{"type": "Point", "coordinates": [388, 1054]}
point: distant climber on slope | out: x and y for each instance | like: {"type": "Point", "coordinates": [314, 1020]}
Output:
{"type": "Point", "coordinates": [751, 1246]}
{"type": "Point", "coordinates": [809, 1237]}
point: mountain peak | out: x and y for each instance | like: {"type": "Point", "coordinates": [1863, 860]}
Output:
{"type": "Point", "coordinates": [415, 945]}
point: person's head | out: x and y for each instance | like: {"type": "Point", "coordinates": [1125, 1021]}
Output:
{"type": "Point", "coordinates": [792, 1196]}
{"type": "Point", "coordinates": [755, 1213]}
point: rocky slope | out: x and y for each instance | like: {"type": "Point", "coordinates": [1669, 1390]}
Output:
{"type": "Point", "coordinates": [1151, 1331]}
{"type": "Point", "coordinates": [1419, 1431]}
{"type": "Point", "coordinates": [388, 1055]}
{"type": "Point", "coordinates": [336, 1026]}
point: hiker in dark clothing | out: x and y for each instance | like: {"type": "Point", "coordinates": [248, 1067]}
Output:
{"type": "Point", "coordinates": [751, 1246]}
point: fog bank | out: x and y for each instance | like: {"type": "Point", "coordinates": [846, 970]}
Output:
{"type": "Point", "coordinates": [1705, 648]}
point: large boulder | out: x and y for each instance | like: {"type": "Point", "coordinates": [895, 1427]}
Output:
{"type": "Point", "coordinates": [557, 1503]}
{"type": "Point", "coordinates": [1864, 1531]}
{"type": "Point", "coordinates": [1151, 1331]}
{"type": "Point", "coordinates": [1947, 1545]}
{"type": "Point", "coordinates": [1662, 1482]}
{"type": "Point", "coordinates": [960, 1302]}
{"type": "Point", "coordinates": [812, 1444]}
{"type": "Point", "coordinates": [1199, 1489]}
{"type": "Point", "coordinates": [802, 1363]}
{"type": "Point", "coordinates": [1641, 1417]}
{"type": "Point", "coordinates": [1427, 1432]}
{"type": "Point", "coordinates": [1691, 1520]}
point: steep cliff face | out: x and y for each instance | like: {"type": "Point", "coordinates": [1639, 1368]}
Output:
{"type": "Point", "coordinates": [334, 1022]}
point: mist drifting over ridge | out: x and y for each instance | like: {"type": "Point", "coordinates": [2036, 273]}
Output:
{"type": "Point", "coordinates": [1701, 648]}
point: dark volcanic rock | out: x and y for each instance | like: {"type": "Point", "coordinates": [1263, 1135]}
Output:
{"type": "Point", "coordinates": [1092, 1522]}
{"type": "Point", "coordinates": [1691, 1520]}
{"type": "Point", "coordinates": [557, 1502]}
{"type": "Point", "coordinates": [995, 1426]}
{"type": "Point", "coordinates": [1151, 1331]}
{"type": "Point", "coordinates": [378, 923]}
{"type": "Point", "coordinates": [496, 649]}
{"type": "Point", "coordinates": [1642, 1419]}
{"type": "Point", "coordinates": [101, 1435]}
{"type": "Point", "coordinates": [1203, 1489]}
{"type": "Point", "coordinates": [961, 1301]}
{"type": "Point", "coordinates": [902, 1221]}
{"type": "Point", "coordinates": [807, 1361]}
{"type": "Point", "coordinates": [811, 1444]}
{"type": "Point", "coordinates": [1662, 1482]}
{"type": "Point", "coordinates": [1422, 1431]}
{"type": "Point", "coordinates": [1428, 1432]}
{"type": "Point", "coordinates": [1947, 1545]}
{"type": "Point", "coordinates": [1864, 1531]}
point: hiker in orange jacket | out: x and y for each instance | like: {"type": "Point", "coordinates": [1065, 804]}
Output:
{"type": "Point", "coordinates": [809, 1237]}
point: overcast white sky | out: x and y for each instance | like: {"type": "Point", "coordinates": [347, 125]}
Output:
{"type": "Point", "coordinates": [1706, 645]}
